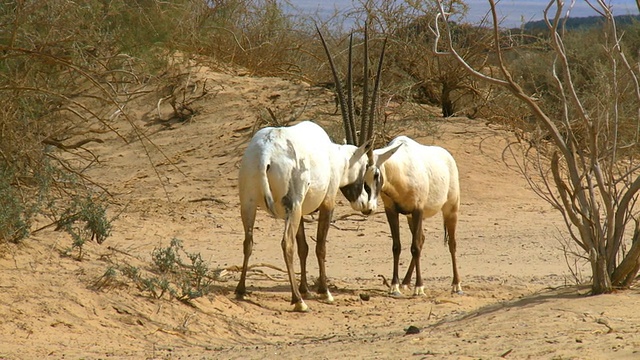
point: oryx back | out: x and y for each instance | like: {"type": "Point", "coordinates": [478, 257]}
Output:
{"type": "Point", "coordinates": [421, 176]}
{"type": "Point", "coordinates": [280, 169]}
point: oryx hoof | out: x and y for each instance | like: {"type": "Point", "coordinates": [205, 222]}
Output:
{"type": "Point", "coordinates": [326, 297]}
{"type": "Point", "coordinates": [300, 307]}
{"type": "Point", "coordinates": [395, 291]}
{"type": "Point", "coordinates": [419, 291]}
{"type": "Point", "coordinates": [457, 289]}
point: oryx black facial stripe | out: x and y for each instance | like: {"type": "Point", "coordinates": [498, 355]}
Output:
{"type": "Point", "coordinates": [373, 189]}
{"type": "Point", "coordinates": [377, 180]}
{"type": "Point", "coordinates": [352, 191]}
{"type": "Point", "coordinates": [368, 190]}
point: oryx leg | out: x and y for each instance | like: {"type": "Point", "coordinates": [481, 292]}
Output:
{"type": "Point", "coordinates": [248, 214]}
{"type": "Point", "coordinates": [303, 252]}
{"type": "Point", "coordinates": [291, 225]}
{"type": "Point", "coordinates": [406, 281]}
{"type": "Point", "coordinates": [394, 227]}
{"type": "Point", "coordinates": [417, 241]}
{"type": "Point", "coordinates": [450, 221]}
{"type": "Point", "coordinates": [324, 220]}
{"type": "Point", "coordinates": [407, 277]}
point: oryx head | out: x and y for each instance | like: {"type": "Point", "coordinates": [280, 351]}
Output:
{"type": "Point", "coordinates": [373, 175]}
{"type": "Point", "coordinates": [362, 194]}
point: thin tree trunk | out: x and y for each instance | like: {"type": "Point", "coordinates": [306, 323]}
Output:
{"type": "Point", "coordinates": [601, 279]}
{"type": "Point", "coordinates": [628, 268]}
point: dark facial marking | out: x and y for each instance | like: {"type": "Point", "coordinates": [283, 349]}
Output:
{"type": "Point", "coordinates": [377, 181]}
{"type": "Point", "coordinates": [352, 191]}
{"type": "Point", "coordinates": [376, 186]}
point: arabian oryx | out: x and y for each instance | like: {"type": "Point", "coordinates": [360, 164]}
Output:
{"type": "Point", "coordinates": [294, 171]}
{"type": "Point", "coordinates": [417, 181]}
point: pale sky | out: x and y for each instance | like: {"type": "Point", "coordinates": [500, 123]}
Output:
{"type": "Point", "coordinates": [513, 11]}
{"type": "Point", "coordinates": [531, 10]}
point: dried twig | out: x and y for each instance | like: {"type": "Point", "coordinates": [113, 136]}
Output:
{"type": "Point", "coordinates": [506, 353]}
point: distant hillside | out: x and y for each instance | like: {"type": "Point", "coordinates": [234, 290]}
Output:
{"type": "Point", "coordinates": [584, 22]}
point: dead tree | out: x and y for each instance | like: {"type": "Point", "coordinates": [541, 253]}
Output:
{"type": "Point", "coordinates": [588, 171]}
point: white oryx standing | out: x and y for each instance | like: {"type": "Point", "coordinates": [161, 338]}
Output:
{"type": "Point", "coordinates": [294, 171]}
{"type": "Point", "coordinates": [417, 181]}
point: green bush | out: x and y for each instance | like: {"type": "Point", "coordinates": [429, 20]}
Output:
{"type": "Point", "coordinates": [67, 66]}
{"type": "Point", "coordinates": [64, 67]}
{"type": "Point", "coordinates": [170, 275]}
{"type": "Point", "coordinates": [14, 218]}
{"type": "Point", "coordinates": [85, 220]}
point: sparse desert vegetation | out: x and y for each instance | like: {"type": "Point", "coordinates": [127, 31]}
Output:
{"type": "Point", "coordinates": [122, 128]}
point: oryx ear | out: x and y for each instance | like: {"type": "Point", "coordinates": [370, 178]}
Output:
{"type": "Point", "coordinates": [386, 155]}
{"type": "Point", "coordinates": [361, 150]}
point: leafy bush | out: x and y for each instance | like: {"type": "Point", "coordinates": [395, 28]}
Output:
{"type": "Point", "coordinates": [66, 68]}
{"type": "Point", "coordinates": [69, 68]}
{"type": "Point", "coordinates": [14, 219]}
{"type": "Point", "coordinates": [169, 274]}
{"type": "Point", "coordinates": [85, 219]}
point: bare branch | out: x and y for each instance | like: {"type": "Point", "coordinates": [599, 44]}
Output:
{"type": "Point", "coordinates": [596, 192]}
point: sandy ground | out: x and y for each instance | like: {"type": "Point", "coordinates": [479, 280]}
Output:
{"type": "Point", "coordinates": [520, 299]}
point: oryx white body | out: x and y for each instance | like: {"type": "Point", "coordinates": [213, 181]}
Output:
{"type": "Point", "coordinates": [290, 172]}
{"type": "Point", "coordinates": [417, 181]}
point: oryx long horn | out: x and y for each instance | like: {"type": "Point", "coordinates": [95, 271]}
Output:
{"type": "Point", "coordinates": [350, 107]}
{"type": "Point", "coordinates": [376, 87]}
{"type": "Point", "coordinates": [365, 86]}
{"type": "Point", "coordinates": [346, 118]}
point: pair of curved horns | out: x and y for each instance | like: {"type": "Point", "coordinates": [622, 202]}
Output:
{"type": "Point", "coordinates": [368, 101]}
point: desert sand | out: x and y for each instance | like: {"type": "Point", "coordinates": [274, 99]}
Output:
{"type": "Point", "coordinates": [520, 300]}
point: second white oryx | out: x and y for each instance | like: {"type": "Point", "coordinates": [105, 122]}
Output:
{"type": "Point", "coordinates": [417, 181]}
{"type": "Point", "coordinates": [294, 171]}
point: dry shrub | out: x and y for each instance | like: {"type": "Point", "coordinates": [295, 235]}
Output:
{"type": "Point", "coordinates": [67, 71]}
{"type": "Point", "coordinates": [257, 35]}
